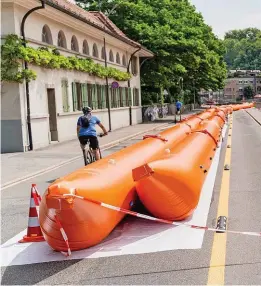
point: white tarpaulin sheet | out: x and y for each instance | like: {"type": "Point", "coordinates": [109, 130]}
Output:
{"type": "Point", "coordinates": [131, 236]}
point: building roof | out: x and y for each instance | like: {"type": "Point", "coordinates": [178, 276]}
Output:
{"type": "Point", "coordinates": [94, 18]}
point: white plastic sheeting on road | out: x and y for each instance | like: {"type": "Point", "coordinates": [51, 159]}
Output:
{"type": "Point", "coordinates": [131, 236]}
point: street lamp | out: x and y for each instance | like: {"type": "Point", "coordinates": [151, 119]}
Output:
{"type": "Point", "coordinates": [27, 92]}
{"type": "Point", "coordinates": [106, 63]}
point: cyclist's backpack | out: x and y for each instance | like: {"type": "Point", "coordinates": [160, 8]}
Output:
{"type": "Point", "coordinates": [85, 121]}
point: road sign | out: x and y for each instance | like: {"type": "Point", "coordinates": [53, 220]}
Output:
{"type": "Point", "coordinates": [115, 84]}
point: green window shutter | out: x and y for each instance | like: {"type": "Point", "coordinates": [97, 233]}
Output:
{"type": "Point", "coordinates": [103, 96]}
{"type": "Point", "coordinates": [65, 97]}
{"type": "Point", "coordinates": [134, 96]}
{"type": "Point", "coordinates": [118, 98]}
{"type": "Point", "coordinates": [94, 97]}
{"type": "Point", "coordinates": [130, 97]}
{"type": "Point", "coordinates": [74, 97]}
{"type": "Point", "coordinates": [84, 95]}
{"type": "Point", "coordinates": [123, 93]}
{"type": "Point", "coordinates": [99, 96]}
{"type": "Point", "coordinates": [110, 97]}
{"type": "Point", "coordinates": [137, 94]}
{"type": "Point", "coordinates": [89, 94]}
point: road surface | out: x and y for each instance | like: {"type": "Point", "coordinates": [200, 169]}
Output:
{"type": "Point", "coordinates": [222, 259]}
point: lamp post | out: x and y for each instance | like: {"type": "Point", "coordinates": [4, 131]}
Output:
{"type": "Point", "coordinates": [106, 64]}
{"type": "Point", "coordinates": [29, 127]}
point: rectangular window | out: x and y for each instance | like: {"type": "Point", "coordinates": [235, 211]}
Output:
{"type": "Point", "coordinates": [121, 100]}
{"type": "Point", "coordinates": [99, 96]}
{"type": "Point", "coordinates": [134, 67]}
{"type": "Point", "coordinates": [94, 97]}
{"type": "Point", "coordinates": [125, 97]}
{"type": "Point", "coordinates": [74, 96]}
{"type": "Point", "coordinates": [79, 95]}
{"type": "Point", "coordinates": [136, 97]}
{"type": "Point", "coordinates": [113, 92]}
{"type": "Point", "coordinates": [89, 94]}
{"type": "Point", "coordinates": [103, 96]}
{"type": "Point", "coordinates": [84, 95]}
{"type": "Point", "coordinates": [65, 97]}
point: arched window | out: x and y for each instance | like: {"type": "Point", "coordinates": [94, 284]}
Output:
{"type": "Point", "coordinates": [124, 62]}
{"type": "Point", "coordinates": [47, 35]}
{"type": "Point", "coordinates": [95, 52]}
{"type": "Point", "coordinates": [118, 60]}
{"type": "Point", "coordinates": [74, 44]}
{"type": "Point", "coordinates": [103, 53]}
{"type": "Point", "coordinates": [62, 40]}
{"type": "Point", "coordinates": [111, 58]}
{"type": "Point", "coordinates": [134, 67]}
{"type": "Point", "coordinates": [85, 48]}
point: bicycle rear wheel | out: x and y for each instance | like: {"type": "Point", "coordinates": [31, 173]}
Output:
{"type": "Point", "coordinates": [90, 157]}
{"type": "Point", "coordinates": [85, 157]}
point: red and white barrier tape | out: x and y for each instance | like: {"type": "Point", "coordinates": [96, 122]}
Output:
{"type": "Point", "coordinates": [118, 209]}
{"type": "Point", "coordinates": [65, 238]}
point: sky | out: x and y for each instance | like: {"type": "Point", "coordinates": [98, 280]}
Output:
{"type": "Point", "coordinates": [225, 15]}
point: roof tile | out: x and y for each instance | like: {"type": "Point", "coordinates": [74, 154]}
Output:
{"type": "Point", "coordinates": [96, 17]}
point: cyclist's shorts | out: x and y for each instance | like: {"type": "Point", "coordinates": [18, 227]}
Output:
{"type": "Point", "coordinates": [94, 143]}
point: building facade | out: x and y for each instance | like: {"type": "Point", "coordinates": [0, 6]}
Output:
{"type": "Point", "coordinates": [58, 95]}
{"type": "Point", "coordinates": [234, 87]}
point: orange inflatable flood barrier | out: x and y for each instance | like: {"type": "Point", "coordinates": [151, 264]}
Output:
{"type": "Point", "coordinates": [170, 188]}
{"type": "Point", "coordinates": [109, 180]}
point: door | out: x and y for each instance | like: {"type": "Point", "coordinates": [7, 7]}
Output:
{"type": "Point", "coordinates": [52, 114]}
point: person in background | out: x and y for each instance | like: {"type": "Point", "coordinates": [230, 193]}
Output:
{"type": "Point", "coordinates": [178, 107]}
{"type": "Point", "coordinates": [86, 131]}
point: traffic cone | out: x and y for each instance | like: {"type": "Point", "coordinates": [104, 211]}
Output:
{"type": "Point", "coordinates": [34, 233]}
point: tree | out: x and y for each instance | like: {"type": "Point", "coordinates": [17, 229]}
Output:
{"type": "Point", "coordinates": [184, 46]}
{"type": "Point", "coordinates": [243, 49]}
{"type": "Point", "coordinates": [248, 92]}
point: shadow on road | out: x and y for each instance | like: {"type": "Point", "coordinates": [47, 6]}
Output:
{"type": "Point", "coordinates": [31, 274]}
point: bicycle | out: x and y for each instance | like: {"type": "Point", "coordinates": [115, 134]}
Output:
{"type": "Point", "coordinates": [88, 156]}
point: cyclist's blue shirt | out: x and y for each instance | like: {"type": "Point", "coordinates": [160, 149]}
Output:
{"type": "Point", "coordinates": [178, 104]}
{"type": "Point", "coordinates": [90, 131]}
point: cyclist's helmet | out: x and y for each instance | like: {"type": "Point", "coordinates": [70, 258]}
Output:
{"type": "Point", "coordinates": [86, 110]}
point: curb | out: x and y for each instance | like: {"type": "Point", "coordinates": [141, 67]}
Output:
{"type": "Point", "coordinates": [46, 170]}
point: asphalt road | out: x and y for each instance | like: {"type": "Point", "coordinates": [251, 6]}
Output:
{"type": "Point", "coordinates": [180, 267]}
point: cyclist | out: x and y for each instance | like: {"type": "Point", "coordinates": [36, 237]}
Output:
{"type": "Point", "coordinates": [178, 106]}
{"type": "Point", "coordinates": [86, 131]}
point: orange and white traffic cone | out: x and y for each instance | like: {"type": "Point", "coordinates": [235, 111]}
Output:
{"type": "Point", "coordinates": [34, 232]}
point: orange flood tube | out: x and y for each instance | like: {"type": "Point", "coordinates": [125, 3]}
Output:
{"type": "Point", "coordinates": [170, 188]}
{"type": "Point", "coordinates": [109, 180]}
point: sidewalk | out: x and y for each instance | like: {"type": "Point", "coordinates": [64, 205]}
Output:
{"type": "Point", "coordinates": [255, 113]}
{"type": "Point", "coordinates": [19, 166]}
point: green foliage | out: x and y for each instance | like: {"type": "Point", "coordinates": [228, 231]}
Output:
{"type": "Point", "coordinates": [243, 49]}
{"type": "Point", "coordinates": [248, 92]}
{"type": "Point", "coordinates": [13, 52]}
{"type": "Point", "coordinates": [11, 68]}
{"type": "Point", "coordinates": [184, 46]}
